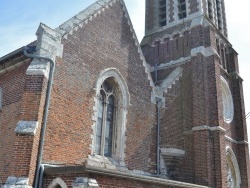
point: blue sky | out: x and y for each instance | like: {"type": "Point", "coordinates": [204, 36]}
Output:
{"type": "Point", "coordinates": [19, 20]}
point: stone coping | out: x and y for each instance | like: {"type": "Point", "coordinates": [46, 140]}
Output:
{"type": "Point", "coordinates": [115, 173]}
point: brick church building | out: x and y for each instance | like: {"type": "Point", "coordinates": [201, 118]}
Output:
{"type": "Point", "coordinates": [86, 105]}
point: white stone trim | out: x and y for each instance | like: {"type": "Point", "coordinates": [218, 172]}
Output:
{"type": "Point", "coordinates": [175, 5]}
{"type": "Point", "coordinates": [227, 100]}
{"type": "Point", "coordinates": [121, 117]}
{"type": "Point", "coordinates": [83, 182]}
{"type": "Point", "coordinates": [17, 182]}
{"type": "Point", "coordinates": [195, 51]}
{"type": "Point", "coordinates": [57, 181]}
{"type": "Point", "coordinates": [188, 7]}
{"type": "Point", "coordinates": [200, 7]}
{"type": "Point", "coordinates": [48, 42]}
{"type": "Point", "coordinates": [205, 127]}
{"type": "Point", "coordinates": [26, 127]}
{"type": "Point", "coordinates": [231, 156]}
{"type": "Point", "coordinates": [39, 67]}
{"type": "Point", "coordinates": [48, 45]}
{"type": "Point", "coordinates": [234, 141]}
{"type": "Point", "coordinates": [209, 51]}
{"type": "Point", "coordinates": [172, 152]}
{"type": "Point", "coordinates": [145, 64]}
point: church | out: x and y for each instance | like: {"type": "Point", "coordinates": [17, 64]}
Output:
{"type": "Point", "coordinates": [87, 105]}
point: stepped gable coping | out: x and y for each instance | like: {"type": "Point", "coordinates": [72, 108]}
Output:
{"type": "Point", "coordinates": [77, 20]}
{"type": "Point", "coordinates": [92, 11]}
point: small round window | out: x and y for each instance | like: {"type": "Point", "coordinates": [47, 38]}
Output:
{"type": "Point", "coordinates": [227, 100]}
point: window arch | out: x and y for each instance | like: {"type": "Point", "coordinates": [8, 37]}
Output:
{"type": "Point", "coordinates": [57, 183]}
{"type": "Point", "coordinates": [233, 171]}
{"type": "Point", "coordinates": [227, 101]}
{"type": "Point", "coordinates": [112, 100]}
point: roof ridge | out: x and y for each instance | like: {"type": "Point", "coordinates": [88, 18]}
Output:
{"type": "Point", "coordinates": [85, 14]}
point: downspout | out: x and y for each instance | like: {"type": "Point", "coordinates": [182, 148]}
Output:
{"type": "Point", "coordinates": [40, 168]}
{"type": "Point", "coordinates": [214, 162]}
{"type": "Point", "coordinates": [158, 103]}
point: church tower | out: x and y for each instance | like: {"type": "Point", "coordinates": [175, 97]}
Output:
{"type": "Point", "coordinates": [203, 136]}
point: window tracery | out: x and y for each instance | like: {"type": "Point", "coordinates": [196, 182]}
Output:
{"type": "Point", "coordinates": [110, 112]}
{"type": "Point", "coordinates": [105, 129]}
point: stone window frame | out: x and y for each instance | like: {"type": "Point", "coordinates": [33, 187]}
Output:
{"type": "Point", "coordinates": [1, 98]}
{"type": "Point", "coordinates": [233, 165]}
{"type": "Point", "coordinates": [227, 101]}
{"type": "Point", "coordinates": [57, 181]}
{"type": "Point", "coordinates": [121, 115]}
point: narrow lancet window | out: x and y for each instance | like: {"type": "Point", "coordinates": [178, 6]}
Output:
{"type": "Point", "coordinates": [219, 14]}
{"type": "Point", "coordinates": [105, 124]}
{"type": "Point", "coordinates": [182, 9]}
{"type": "Point", "coordinates": [162, 13]}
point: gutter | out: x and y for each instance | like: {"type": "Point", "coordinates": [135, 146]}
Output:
{"type": "Point", "coordinates": [159, 104]}
{"type": "Point", "coordinates": [40, 168]}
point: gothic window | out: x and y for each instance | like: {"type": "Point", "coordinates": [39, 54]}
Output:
{"type": "Point", "coordinates": [233, 172]}
{"type": "Point", "coordinates": [105, 130]}
{"type": "Point", "coordinates": [111, 102]}
{"type": "Point", "coordinates": [182, 9]}
{"type": "Point", "coordinates": [218, 46]}
{"type": "Point", "coordinates": [162, 13]}
{"type": "Point", "coordinates": [1, 98]}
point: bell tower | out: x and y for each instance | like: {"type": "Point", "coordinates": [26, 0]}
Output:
{"type": "Point", "coordinates": [162, 14]}
{"type": "Point", "coordinates": [203, 136]}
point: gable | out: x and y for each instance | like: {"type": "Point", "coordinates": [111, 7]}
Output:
{"type": "Point", "coordinates": [111, 15]}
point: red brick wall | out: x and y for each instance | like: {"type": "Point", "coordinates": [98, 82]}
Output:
{"type": "Point", "coordinates": [104, 42]}
{"type": "Point", "coordinates": [196, 101]}
{"type": "Point", "coordinates": [12, 84]}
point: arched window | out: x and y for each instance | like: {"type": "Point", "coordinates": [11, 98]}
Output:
{"type": "Point", "coordinates": [227, 101]}
{"type": "Point", "coordinates": [233, 171]}
{"type": "Point", "coordinates": [111, 102]}
{"type": "Point", "coordinates": [105, 130]}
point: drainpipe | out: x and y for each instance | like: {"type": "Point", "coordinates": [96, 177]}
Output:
{"type": "Point", "coordinates": [213, 152]}
{"type": "Point", "coordinates": [158, 103]}
{"type": "Point", "coordinates": [40, 168]}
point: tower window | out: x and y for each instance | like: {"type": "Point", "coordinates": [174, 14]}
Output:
{"type": "Point", "coordinates": [219, 14]}
{"type": "Point", "coordinates": [162, 13]}
{"type": "Point", "coordinates": [182, 9]}
{"type": "Point", "coordinates": [210, 9]}
{"type": "Point", "coordinates": [227, 101]}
